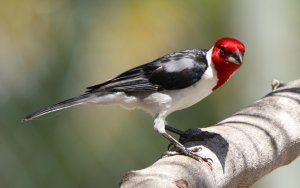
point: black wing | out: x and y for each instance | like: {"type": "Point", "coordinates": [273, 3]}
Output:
{"type": "Point", "coordinates": [174, 71]}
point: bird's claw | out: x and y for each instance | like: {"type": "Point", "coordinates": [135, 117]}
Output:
{"type": "Point", "coordinates": [190, 152]}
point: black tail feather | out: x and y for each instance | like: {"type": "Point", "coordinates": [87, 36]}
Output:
{"type": "Point", "coordinates": [59, 106]}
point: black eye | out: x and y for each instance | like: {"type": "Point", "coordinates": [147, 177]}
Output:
{"type": "Point", "coordinates": [223, 51]}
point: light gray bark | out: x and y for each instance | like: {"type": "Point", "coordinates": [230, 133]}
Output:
{"type": "Point", "coordinates": [242, 148]}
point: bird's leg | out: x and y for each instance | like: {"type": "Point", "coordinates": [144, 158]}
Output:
{"type": "Point", "coordinates": [159, 126]}
{"type": "Point", "coordinates": [181, 148]}
{"type": "Point", "coordinates": [181, 133]}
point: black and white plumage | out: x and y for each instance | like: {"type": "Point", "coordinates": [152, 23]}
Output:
{"type": "Point", "coordinates": [172, 82]}
{"type": "Point", "coordinates": [174, 71]}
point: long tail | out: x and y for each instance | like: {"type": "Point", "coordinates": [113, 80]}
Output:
{"type": "Point", "coordinates": [59, 106]}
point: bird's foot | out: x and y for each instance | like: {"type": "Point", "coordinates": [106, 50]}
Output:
{"type": "Point", "coordinates": [190, 152]}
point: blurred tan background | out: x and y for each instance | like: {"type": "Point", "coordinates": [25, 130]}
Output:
{"type": "Point", "coordinates": [52, 50]}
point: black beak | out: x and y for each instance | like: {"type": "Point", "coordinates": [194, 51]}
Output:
{"type": "Point", "coordinates": [238, 56]}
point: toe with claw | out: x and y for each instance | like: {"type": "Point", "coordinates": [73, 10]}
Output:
{"type": "Point", "coordinates": [190, 152]}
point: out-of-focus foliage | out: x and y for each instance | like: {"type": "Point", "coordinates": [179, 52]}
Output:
{"type": "Point", "coordinates": [51, 50]}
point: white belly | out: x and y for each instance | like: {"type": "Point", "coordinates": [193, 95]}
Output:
{"type": "Point", "coordinates": [187, 97]}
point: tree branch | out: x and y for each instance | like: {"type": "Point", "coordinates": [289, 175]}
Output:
{"type": "Point", "coordinates": [242, 148]}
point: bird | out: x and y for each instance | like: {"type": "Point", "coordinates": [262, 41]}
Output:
{"type": "Point", "coordinates": [172, 82]}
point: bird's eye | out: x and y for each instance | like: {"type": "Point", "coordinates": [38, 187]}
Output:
{"type": "Point", "coordinates": [223, 51]}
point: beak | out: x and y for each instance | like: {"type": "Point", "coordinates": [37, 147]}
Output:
{"type": "Point", "coordinates": [238, 57]}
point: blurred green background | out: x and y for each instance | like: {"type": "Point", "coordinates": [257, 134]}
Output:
{"type": "Point", "coordinates": [52, 50]}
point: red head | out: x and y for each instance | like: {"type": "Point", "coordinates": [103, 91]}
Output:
{"type": "Point", "coordinates": [227, 57]}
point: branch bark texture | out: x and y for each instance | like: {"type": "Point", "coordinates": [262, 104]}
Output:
{"type": "Point", "coordinates": [242, 148]}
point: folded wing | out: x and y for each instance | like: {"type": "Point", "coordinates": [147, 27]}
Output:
{"type": "Point", "coordinates": [174, 71]}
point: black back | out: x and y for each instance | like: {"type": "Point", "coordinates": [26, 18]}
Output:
{"type": "Point", "coordinates": [177, 70]}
